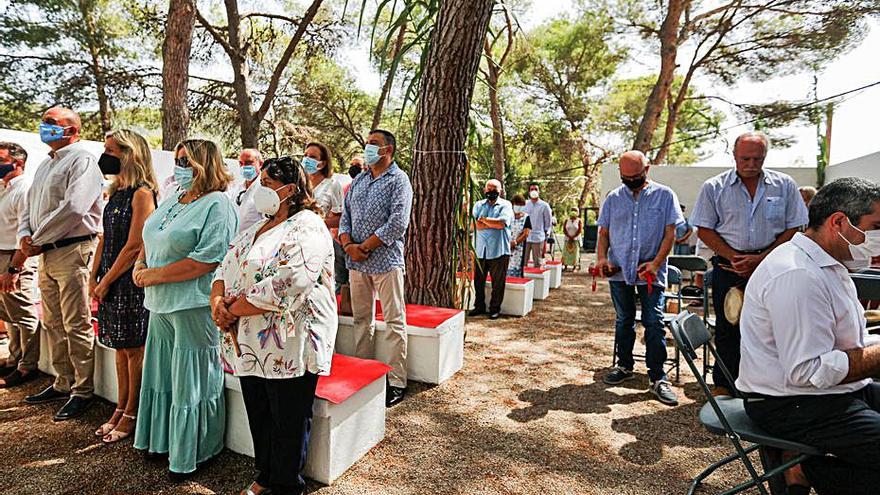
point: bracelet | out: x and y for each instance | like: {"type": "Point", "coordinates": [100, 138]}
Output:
{"type": "Point", "coordinates": [141, 263]}
{"type": "Point", "coordinates": [345, 246]}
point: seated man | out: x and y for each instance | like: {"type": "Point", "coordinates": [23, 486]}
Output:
{"type": "Point", "coordinates": [806, 357]}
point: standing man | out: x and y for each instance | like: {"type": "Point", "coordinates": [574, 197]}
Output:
{"type": "Point", "coordinates": [541, 217]}
{"type": "Point", "coordinates": [250, 162]}
{"type": "Point", "coordinates": [683, 234]}
{"type": "Point", "coordinates": [372, 231]}
{"type": "Point", "coordinates": [61, 222]}
{"type": "Point", "coordinates": [493, 217]}
{"type": "Point", "coordinates": [742, 215]}
{"type": "Point", "coordinates": [636, 232]}
{"type": "Point", "coordinates": [17, 298]}
{"type": "Point", "coordinates": [807, 359]}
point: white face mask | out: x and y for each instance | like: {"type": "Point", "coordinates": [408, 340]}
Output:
{"type": "Point", "coordinates": [266, 200]}
{"type": "Point", "coordinates": [862, 253]}
{"type": "Point", "coordinates": [533, 194]}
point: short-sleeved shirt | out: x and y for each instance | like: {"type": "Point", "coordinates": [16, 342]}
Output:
{"type": "Point", "coordinates": [636, 227]}
{"type": "Point", "coordinates": [201, 231]}
{"type": "Point", "coordinates": [542, 219]}
{"type": "Point", "coordinates": [493, 243]}
{"type": "Point", "coordinates": [379, 206]}
{"type": "Point", "coordinates": [243, 198]}
{"type": "Point", "coordinates": [725, 206]}
{"type": "Point", "coordinates": [329, 196]}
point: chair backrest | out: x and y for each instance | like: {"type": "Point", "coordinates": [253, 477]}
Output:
{"type": "Point", "coordinates": [673, 276]}
{"type": "Point", "coordinates": [690, 333]}
{"type": "Point", "coordinates": [867, 286]}
{"type": "Point", "coordinates": [690, 263]}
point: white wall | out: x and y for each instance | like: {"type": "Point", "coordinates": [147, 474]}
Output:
{"type": "Point", "coordinates": [867, 166]}
{"type": "Point", "coordinates": [687, 181]}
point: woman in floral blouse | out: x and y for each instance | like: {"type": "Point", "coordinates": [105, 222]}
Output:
{"type": "Point", "coordinates": [273, 296]}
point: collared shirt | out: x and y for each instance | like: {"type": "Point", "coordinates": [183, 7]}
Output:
{"type": "Point", "coordinates": [328, 193]}
{"type": "Point", "coordinates": [379, 206]}
{"type": "Point", "coordinates": [244, 204]}
{"type": "Point", "coordinates": [725, 206]}
{"type": "Point", "coordinates": [542, 220]}
{"type": "Point", "coordinates": [636, 227]}
{"type": "Point", "coordinates": [800, 314]}
{"type": "Point", "coordinates": [493, 243]}
{"type": "Point", "coordinates": [13, 199]}
{"type": "Point", "coordinates": [65, 199]}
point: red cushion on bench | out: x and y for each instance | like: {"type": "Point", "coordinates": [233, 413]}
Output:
{"type": "Point", "coordinates": [536, 271]}
{"type": "Point", "coordinates": [347, 376]}
{"type": "Point", "coordinates": [418, 315]}
{"type": "Point", "coordinates": [553, 263]}
{"type": "Point", "coordinates": [513, 280]}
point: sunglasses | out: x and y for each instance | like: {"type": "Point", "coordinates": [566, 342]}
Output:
{"type": "Point", "coordinates": [182, 162]}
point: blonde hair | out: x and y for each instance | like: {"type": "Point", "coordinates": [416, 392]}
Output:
{"type": "Point", "coordinates": [136, 162]}
{"type": "Point", "coordinates": [209, 171]}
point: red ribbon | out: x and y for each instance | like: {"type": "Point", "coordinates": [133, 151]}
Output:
{"type": "Point", "coordinates": [649, 278]}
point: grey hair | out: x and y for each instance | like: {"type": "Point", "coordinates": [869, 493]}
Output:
{"type": "Point", "coordinates": [753, 134]}
{"type": "Point", "coordinates": [16, 151]}
{"type": "Point", "coordinates": [852, 196]}
{"type": "Point", "coordinates": [496, 183]}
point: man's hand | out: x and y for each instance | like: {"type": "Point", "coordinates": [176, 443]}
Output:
{"type": "Point", "coordinates": [646, 268]}
{"type": "Point", "coordinates": [481, 223]}
{"type": "Point", "coordinates": [744, 264]}
{"type": "Point", "coordinates": [8, 281]}
{"type": "Point", "coordinates": [28, 248]}
{"type": "Point", "coordinates": [604, 267]}
{"type": "Point", "coordinates": [146, 277]}
{"type": "Point", "coordinates": [356, 252]}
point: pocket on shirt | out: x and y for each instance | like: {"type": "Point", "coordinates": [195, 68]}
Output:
{"type": "Point", "coordinates": [774, 209]}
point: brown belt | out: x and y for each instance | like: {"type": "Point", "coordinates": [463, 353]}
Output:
{"type": "Point", "coordinates": [7, 251]}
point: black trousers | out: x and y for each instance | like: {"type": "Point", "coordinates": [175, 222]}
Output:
{"type": "Point", "coordinates": [845, 425]}
{"type": "Point", "coordinates": [280, 418]}
{"type": "Point", "coordinates": [727, 335]}
{"type": "Point", "coordinates": [497, 267]}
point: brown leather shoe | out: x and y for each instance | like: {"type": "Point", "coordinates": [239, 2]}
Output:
{"type": "Point", "coordinates": [719, 391]}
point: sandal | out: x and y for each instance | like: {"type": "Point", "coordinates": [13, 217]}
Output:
{"type": "Point", "coordinates": [17, 378]}
{"type": "Point", "coordinates": [117, 435]}
{"type": "Point", "coordinates": [250, 490]}
{"type": "Point", "coordinates": [107, 427]}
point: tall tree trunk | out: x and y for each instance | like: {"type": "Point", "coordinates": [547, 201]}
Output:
{"type": "Point", "coordinates": [672, 115]}
{"type": "Point", "coordinates": [439, 178]}
{"type": "Point", "coordinates": [659, 94]}
{"type": "Point", "coordinates": [389, 80]}
{"type": "Point", "coordinates": [97, 67]}
{"type": "Point", "coordinates": [176, 49]}
{"type": "Point", "coordinates": [498, 152]}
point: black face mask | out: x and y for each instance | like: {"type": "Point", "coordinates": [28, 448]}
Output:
{"type": "Point", "coordinates": [492, 195]}
{"type": "Point", "coordinates": [5, 168]}
{"type": "Point", "coordinates": [634, 184]}
{"type": "Point", "coordinates": [354, 170]}
{"type": "Point", "coordinates": [109, 165]}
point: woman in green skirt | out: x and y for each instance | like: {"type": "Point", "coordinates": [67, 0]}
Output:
{"type": "Point", "coordinates": [182, 411]}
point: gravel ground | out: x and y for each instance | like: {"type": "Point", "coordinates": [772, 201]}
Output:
{"type": "Point", "coordinates": [528, 414]}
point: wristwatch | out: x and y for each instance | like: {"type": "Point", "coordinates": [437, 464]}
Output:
{"type": "Point", "coordinates": [13, 270]}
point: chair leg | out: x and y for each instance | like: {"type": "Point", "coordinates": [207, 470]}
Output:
{"type": "Point", "coordinates": [714, 466]}
{"type": "Point", "coordinates": [757, 480]}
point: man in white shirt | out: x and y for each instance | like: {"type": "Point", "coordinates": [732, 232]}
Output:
{"type": "Point", "coordinates": [60, 224]}
{"type": "Point", "coordinates": [250, 162]}
{"type": "Point", "coordinates": [807, 360]}
{"type": "Point", "coordinates": [541, 216]}
{"type": "Point", "coordinates": [17, 298]}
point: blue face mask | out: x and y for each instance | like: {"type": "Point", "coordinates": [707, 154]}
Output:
{"type": "Point", "coordinates": [249, 172]}
{"type": "Point", "coordinates": [51, 132]}
{"type": "Point", "coordinates": [518, 208]}
{"type": "Point", "coordinates": [371, 154]}
{"type": "Point", "coordinates": [184, 177]}
{"type": "Point", "coordinates": [310, 165]}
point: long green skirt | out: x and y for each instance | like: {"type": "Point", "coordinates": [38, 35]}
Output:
{"type": "Point", "coordinates": [571, 253]}
{"type": "Point", "coordinates": [182, 410]}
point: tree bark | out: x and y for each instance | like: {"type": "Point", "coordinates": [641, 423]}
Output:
{"type": "Point", "coordinates": [389, 80]}
{"type": "Point", "coordinates": [97, 68]}
{"type": "Point", "coordinates": [668, 50]}
{"type": "Point", "coordinates": [499, 156]}
{"type": "Point", "coordinates": [439, 181]}
{"type": "Point", "coordinates": [176, 49]}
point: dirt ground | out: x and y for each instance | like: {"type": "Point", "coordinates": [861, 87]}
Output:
{"type": "Point", "coordinates": [528, 414]}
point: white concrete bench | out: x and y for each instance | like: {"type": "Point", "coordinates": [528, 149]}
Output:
{"type": "Point", "coordinates": [542, 277]}
{"type": "Point", "coordinates": [518, 296]}
{"type": "Point", "coordinates": [348, 421]}
{"type": "Point", "coordinates": [435, 341]}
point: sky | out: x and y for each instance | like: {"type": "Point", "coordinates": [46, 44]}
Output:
{"type": "Point", "coordinates": [854, 131]}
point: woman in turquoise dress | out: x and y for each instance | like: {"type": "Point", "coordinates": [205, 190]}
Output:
{"type": "Point", "coordinates": [182, 411]}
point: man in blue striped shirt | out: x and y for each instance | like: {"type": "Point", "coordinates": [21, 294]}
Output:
{"type": "Point", "coordinates": [742, 215]}
{"type": "Point", "coordinates": [493, 217]}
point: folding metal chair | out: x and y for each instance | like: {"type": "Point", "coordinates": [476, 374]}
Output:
{"type": "Point", "coordinates": [673, 278]}
{"type": "Point", "coordinates": [868, 288]}
{"type": "Point", "coordinates": [726, 416]}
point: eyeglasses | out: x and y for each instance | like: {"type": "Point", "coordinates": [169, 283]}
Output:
{"type": "Point", "coordinates": [182, 162]}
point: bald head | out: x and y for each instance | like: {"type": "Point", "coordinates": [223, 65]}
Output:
{"type": "Point", "coordinates": [633, 163]}
{"type": "Point", "coordinates": [250, 156]}
{"type": "Point", "coordinates": [68, 120]}
{"type": "Point", "coordinates": [749, 152]}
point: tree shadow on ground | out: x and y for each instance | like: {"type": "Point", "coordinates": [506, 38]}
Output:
{"type": "Point", "coordinates": [591, 398]}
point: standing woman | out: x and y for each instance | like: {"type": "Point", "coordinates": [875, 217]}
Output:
{"type": "Point", "coordinates": [182, 408]}
{"type": "Point", "coordinates": [571, 252]}
{"type": "Point", "coordinates": [329, 194]}
{"type": "Point", "coordinates": [274, 297]}
{"type": "Point", "coordinates": [519, 232]}
{"type": "Point", "coordinates": [122, 318]}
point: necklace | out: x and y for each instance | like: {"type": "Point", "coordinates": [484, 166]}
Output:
{"type": "Point", "coordinates": [175, 212]}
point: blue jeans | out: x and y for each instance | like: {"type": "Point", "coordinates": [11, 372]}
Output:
{"type": "Point", "coordinates": [624, 298]}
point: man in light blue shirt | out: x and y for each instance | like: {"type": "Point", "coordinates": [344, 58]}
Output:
{"type": "Point", "coordinates": [493, 217]}
{"type": "Point", "coordinates": [541, 216]}
{"type": "Point", "coordinates": [742, 215]}
{"type": "Point", "coordinates": [636, 232]}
